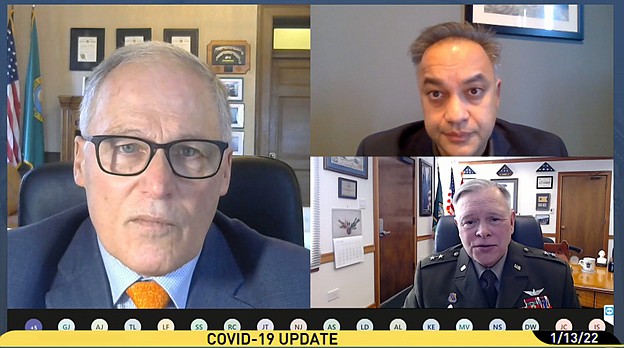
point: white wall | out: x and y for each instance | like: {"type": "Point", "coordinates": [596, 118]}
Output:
{"type": "Point", "coordinates": [356, 282]}
{"type": "Point", "coordinates": [526, 174]}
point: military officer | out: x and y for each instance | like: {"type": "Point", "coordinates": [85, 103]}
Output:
{"type": "Point", "coordinates": [488, 269]}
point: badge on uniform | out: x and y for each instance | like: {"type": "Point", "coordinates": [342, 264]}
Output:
{"type": "Point", "coordinates": [537, 302]}
{"type": "Point", "coordinates": [534, 292]}
{"type": "Point", "coordinates": [452, 298]}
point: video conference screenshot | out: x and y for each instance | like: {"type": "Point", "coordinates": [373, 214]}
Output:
{"type": "Point", "coordinates": [312, 175]}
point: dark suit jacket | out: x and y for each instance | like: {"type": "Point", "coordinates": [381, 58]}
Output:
{"type": "Point", "coordinates": [508, 139]}
{"type": "Point", "coordinates": [56, 263]}
{"type": "Point", "coordinates": [441, 281]}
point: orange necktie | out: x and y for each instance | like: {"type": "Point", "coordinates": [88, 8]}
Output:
{"type": "Point", "coordinates": [148, 295]}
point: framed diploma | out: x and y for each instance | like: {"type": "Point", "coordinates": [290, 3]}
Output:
{"type": "Point", "coordinates": [127, 37]}
{"type": "Point", "coordinates": [347, 188]}
{"type": "Point", "coordinates": [184, 38]}
{"type": "Point", "coordinates": [86, 48]}
{"type": "Point", "coordinates": [229, 57]}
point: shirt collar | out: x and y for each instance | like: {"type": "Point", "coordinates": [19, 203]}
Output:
{"type": "Point", "coordinates": [120, 277]}
{"type": "Point", "coordinates": [497, 268]}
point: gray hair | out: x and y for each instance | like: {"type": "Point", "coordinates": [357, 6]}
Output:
{"type": "Point", "coordinates": [478, 185]}
{"type": "Point", "coordinates": [154, 52]}
{"type": "Point", "coordinates": [439, 32]}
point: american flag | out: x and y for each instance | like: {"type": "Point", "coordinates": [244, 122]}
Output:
{"type": "Point", "coordinates": [450, 209]}
{"type": "Point", "coordinates": [14, 156]}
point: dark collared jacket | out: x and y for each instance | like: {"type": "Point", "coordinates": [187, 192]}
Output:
{"type": "Point", "coordinates": [56, 263]}
{"type": "Point", "coordinates": [507, 139]}
{"type": "Point", "coordinates": [449, 278]}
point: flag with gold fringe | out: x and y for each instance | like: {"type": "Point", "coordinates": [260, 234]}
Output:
{"type": "Point", "coordinates": [33, 112]}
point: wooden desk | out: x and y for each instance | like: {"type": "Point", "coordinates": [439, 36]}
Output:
{"type": "Point", "coordinates": [594, 289]}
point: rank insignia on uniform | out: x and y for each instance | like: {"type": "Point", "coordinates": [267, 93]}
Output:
{"type": "Point", "coordinates": [440, 257]}
{"type": "Point", "coordinates": [462, 268]}
{"type": "Point", "coordinates": [533, 292]}
{"type": "Point", "coordinates": [432, 258]}
{"type": "Point", "coordinates": [517, 267]}
{"type": "Point", "coordinates": [452, 298]}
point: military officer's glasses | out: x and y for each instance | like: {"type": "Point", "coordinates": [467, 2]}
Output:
{"type": "Point", "coordinates": [129, 156]}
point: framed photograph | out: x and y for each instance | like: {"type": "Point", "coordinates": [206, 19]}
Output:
{"type": "Point", "coordinates": [355, 166]}
{"type": "Point", "coordinates": [237, 110]}
{"type": "Point", "coordinates": [346, 223]}
{"type": "Point", "coordinates": [512, 186]}
{"type": "Point", "coordinates": [127, 37]}
{"type": "Point", "coordinates": [544, 182]}
{"type": "Point", "coordinates": [543, 219]}
{"type": "Point", "coordinates": [542, 201]}
{"type": "Point", "coordinates": [347, 188]}
{"type": "Point", "coordinates": [555, 21]}
{"type": "Point", "coordinates": [86, 48]}
{"type": "Point", "coordinates": [228, 57]}
{"type": "Point", "coordinates": [183, 38]}
{"type": "Point", "coordinates": [425, 187]}
{"type": "Point", "coordinates": [238, 143]}
{"type": "Point", "coordinates": [234, 87]}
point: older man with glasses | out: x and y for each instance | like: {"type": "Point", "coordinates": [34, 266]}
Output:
{"type": "Point", "coordinates": [153, 157]}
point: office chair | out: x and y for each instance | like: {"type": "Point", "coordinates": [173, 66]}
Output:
{"type": "Point", "coordinates": [264, 193]}
{"type": "Point", "coordinates": [527, 231]}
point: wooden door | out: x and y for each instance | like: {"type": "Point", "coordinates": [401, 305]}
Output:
{"type": "Point", "coordinates": [283, 90]}
{"type": "Point", "coordinates": [289, 118]}
{"type": "Point", "coordinates": [396, 209]}
{"type": "Point", "coordinates": [583, 205]}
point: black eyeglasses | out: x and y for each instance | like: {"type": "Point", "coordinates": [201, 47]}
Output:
{"type": "Point", "coordinates": [129, 156]}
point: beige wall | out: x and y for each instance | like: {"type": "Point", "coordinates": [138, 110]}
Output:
{"type": "Point", "coordinates": [215, 22]}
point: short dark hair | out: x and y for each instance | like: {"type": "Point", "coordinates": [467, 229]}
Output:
{"type": "Point", "coordinates": [476, 33]}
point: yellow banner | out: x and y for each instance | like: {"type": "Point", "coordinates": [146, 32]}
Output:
{"type": "Point", "coordinates": [270, 338]}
